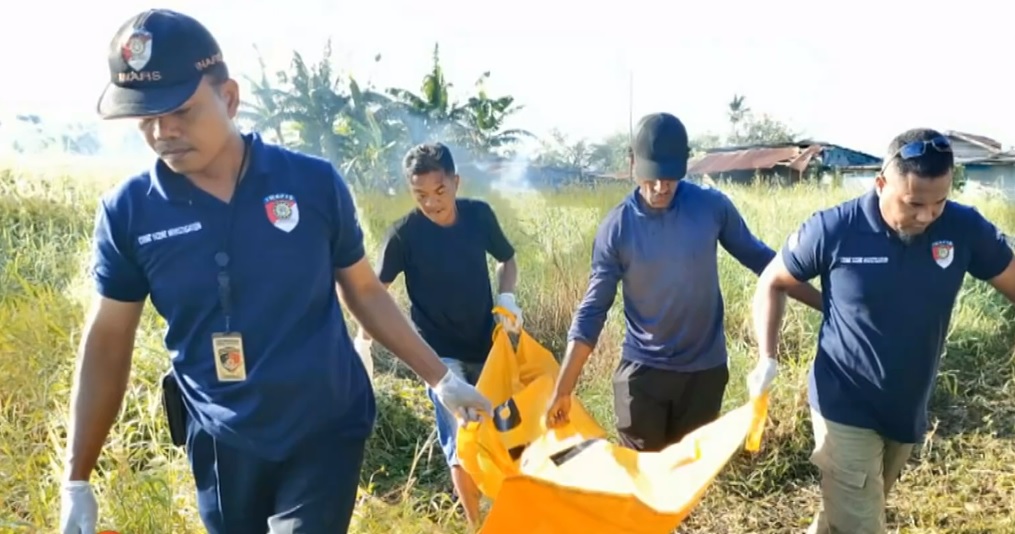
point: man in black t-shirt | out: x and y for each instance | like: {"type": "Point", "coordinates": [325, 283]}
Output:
{"type": "Point", "coordinates": [441, 247]}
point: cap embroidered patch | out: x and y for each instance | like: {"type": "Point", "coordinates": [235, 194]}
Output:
{"type": "Point", "coordinates": [137, 50]}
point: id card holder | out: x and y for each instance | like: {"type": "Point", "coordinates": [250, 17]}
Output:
{"type": "Point", "coordinates": [230, 360]}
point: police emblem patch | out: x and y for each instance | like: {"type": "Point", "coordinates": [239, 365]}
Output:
{"type": "Point", "coordinates": [137, 49]}
{"type": "Point", "coordinates": [283, 212]}
{"type": "Point", "coordinates": [943, 253]}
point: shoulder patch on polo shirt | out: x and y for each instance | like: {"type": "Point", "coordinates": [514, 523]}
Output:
{"type": "Point", "coordinates": [283, 212]}
{"type": "Point", "coordinates": [943, 252]}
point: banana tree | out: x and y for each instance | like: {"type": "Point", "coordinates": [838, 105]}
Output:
{"type": "Point", "coordinates": [431, 114]}
{"type": "Point", "coordinates": [264, 114]}
{"type": "Point", "coordinates": [314, 99]}
{"type": "Point", "coordinates": [370, 152]}
{"type": "Point", "coordinates": [484, 117]}
{"type": "Point", "coordinates": [372, 133]}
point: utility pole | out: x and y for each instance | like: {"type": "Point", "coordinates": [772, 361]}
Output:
{"type": "Point", "coordinates": [630, 121]}
{"type": "Point", "coordinates": [630, 106]}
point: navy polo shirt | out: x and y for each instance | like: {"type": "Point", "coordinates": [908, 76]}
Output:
{"type": "Point", "coordinates": [156, 235]}
{"type": "Point", "coordinates": [447, 278]}
{"type": "Point", "coordinates": [887, 306]}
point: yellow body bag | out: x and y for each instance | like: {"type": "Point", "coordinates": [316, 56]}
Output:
{"type": "Point", "coordinates": [571, 479]}
{"type": "Point", "coordinates": [519, 384]}
{"type": "Point", "coordinates": [595, 486]}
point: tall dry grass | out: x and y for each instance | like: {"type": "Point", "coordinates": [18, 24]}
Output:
{"type": "Point", "coordinates": [960, 481]}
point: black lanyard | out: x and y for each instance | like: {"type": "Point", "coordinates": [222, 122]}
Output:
{"type": "Point", "coordinates": [222, 256]}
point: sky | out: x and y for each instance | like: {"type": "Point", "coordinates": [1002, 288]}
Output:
{"type": "Point", "coordinates": [853, 74]}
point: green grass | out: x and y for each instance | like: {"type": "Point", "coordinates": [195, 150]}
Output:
{"type": "Point", "coordinates": [961, 481]}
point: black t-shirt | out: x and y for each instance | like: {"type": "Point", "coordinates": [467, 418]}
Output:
{"type": "Point", "coordinates": [447, 278]}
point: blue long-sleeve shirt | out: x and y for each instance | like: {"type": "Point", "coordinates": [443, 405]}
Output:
{"type": "Point", "coordinates": [667, 263]}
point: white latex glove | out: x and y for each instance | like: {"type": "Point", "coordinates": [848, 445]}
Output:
{"type": "Point", "coordinates": [760, 379]}
{"type": "Point", "coordinates": [78, 509]}
{"type": "Point", "coordinates": [462, 399]}
{"type": "Point", "coordinates": [507, 301]}
{"type": "Point", "coordinates": [364, 347]}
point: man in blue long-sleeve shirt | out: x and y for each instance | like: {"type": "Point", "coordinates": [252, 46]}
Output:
{"type": "Point", "coordinates": [660, 242]}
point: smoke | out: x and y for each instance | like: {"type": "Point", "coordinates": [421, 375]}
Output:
{"type": "Point", "coordinates": [483, 171]}
{"type": "Point", "coordinates": [513, 177]}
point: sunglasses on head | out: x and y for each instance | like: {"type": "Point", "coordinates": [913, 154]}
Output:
{"type": "Point", "coordinates": [916, 149]}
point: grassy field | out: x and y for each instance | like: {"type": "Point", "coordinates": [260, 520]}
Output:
{"type": "Point", "coordinates": [960, 481]}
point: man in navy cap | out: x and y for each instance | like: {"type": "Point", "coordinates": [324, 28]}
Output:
{"type": "Point", "coordinates": [661, 243]}
{"type": "Point", "coordinates": [891, 263]}
{"type": "Point", "coordinates": [239, 244]}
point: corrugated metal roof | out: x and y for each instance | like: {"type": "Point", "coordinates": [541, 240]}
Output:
{"type": "Point", "coordinates": [981, 140]}
{"type": "Point", "coordinates": [794, 157]}
{"type": "Point", "coordinates": [1001, 158]}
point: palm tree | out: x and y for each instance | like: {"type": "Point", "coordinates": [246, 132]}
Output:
{"type": "Point", "coordinates": [737, 112]}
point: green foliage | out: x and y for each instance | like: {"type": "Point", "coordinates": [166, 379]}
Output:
{"type": "Point", "coordinates": [960, 481]}
{"type": "Point", "coordinates": [364, 130]}
{"type": "Point", "coordinates": [959, 178]}
{"type": "Point", "coordinates": [745, 128]}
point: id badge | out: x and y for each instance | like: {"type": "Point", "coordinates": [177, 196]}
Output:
{"type": "Point", "coordinates": [230, 361]}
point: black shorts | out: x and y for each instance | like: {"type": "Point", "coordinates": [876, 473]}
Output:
{"type": "Point", "coordinates": [656, 408]}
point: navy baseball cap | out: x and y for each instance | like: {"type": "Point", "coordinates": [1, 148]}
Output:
{"type": "Point", "coordinates": [660, 148]}
{"type": "Point", "coordinates": [156, 62]}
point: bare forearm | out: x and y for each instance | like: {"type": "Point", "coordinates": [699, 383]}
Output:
{"type": "Point", "coordinates": [362, 331]}
{"type": "Point", "coordinates": [507, 276]}
{"type": "Point", "coordinates": [575, 356]}
{"type": "Point", "coordinates": [768, 307]}
{"type": "Point", "coordinates": [100, 383]}
{"type": "Point", "coordinates": [807, 294]}
{"type": "Point", "coordinates": [379, 316]}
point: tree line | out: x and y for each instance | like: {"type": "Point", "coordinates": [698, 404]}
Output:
{"type": "Point", "coordinates": [364, 130]}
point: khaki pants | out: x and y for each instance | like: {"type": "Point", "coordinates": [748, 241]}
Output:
{"type": "Point", "coordinates": [858, 468]}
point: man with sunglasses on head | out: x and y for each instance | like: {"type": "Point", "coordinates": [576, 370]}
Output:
{"type": "Point", "coordinates": [891, 263]}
